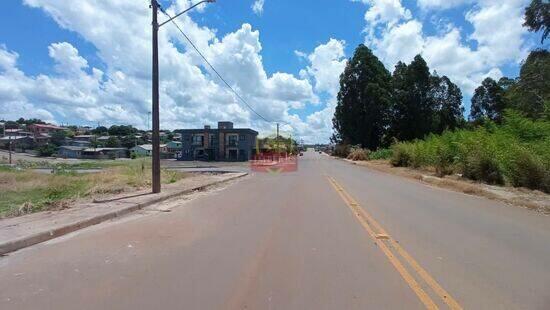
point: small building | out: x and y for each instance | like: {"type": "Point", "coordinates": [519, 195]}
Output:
{"type": "Point", "coordinates": [18, 143]}
{"type": "Point", "coordinates": [224, 143]}
{"type": "Point", "coordinates": [69, 151]}
{"type": "Point", "coordinates": [173, 146]}
{"type": "Point", "coordinates": [147, 149]}
{"type": "Point", "coordinates": [38, 129]}
{"type": "Point", "coordinates": [104, 153]}
{"type": "Point", "coordinates": [87, 138]}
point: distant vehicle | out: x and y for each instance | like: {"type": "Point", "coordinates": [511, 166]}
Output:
{"type": "Point", "coordinates": [301, 154]}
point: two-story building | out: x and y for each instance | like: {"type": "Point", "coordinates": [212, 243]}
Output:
{"type": "Point", "coordinates": [224, 143]}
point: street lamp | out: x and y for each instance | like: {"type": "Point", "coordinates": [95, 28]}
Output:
{"type": "Point", "coordinates": [155, 94]}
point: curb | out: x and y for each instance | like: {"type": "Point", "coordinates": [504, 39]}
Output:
{"type": "Point", "coordinates": [17, 244]}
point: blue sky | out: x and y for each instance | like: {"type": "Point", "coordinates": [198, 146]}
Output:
{"type": "Point", "coordinates": [285, 59]}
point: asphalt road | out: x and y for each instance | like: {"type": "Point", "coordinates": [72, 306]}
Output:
{"type": "Point", "coordinates": [330, 236]}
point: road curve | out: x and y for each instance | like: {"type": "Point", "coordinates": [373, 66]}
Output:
{"type": "Point", "coordinates": [330, 236]}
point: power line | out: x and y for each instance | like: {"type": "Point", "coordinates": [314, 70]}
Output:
{"type": "Point", "coordinates": [214, 69]}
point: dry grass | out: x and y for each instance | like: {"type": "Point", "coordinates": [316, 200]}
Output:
{"type": "Point", "coordinates": [26, 191]}
{"type": "Point", "coordinates": [522, 197]}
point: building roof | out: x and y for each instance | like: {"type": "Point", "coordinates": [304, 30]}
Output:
{"type": "Point", "coordinates": [49, 126]}
{"type": "Point", "coordinates": [72, 148]}
{"type": "Point", "coordinates": [99, 149]}
{"type": "Point", "coordinates": [147, 147]}
{"type": "Point", "coordinates": [8, 138]}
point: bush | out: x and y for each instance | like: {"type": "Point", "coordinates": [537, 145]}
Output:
{"type": "Point", "coordinates": [341, 150]}
{"type": "Point", "coordinates": [358, 153]}
{"type": "Point", "coordinates": [402, 155]}
{"type": "Point", "coordinates": [483, 168]}
{"type": "Point", "coordinates": [46, 150]}
{"type": "Point", "coordinates": [528, 171]}
{"type": "Point", "coordinates": [381, 154]}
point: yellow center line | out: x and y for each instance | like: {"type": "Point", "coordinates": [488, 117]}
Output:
{"type": "Point", "coordinates": [371, 225]}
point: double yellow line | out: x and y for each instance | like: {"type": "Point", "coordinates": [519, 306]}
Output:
{"type": "Point", "coordinates": [389, 246]}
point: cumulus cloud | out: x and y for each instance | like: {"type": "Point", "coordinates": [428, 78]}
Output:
{"type": "Point", "coordinates": [191, 95]}
{"type": "Point", "coordinates": [449, 52]}
{"type": "Point", "coordinates": [441, 4]}
{"type": "Point", "coordinates": [258, 7]}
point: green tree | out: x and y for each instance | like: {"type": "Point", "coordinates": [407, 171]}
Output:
{"type": "Point", "coordinates": [537, 17]}
{"type": "Point", "coordinates": [99, 131]}
{"type": "Point", "coordinates": [112, 142]}
{"type": "Point", "coordinates": [122, 130]}
{"type": "Point", "coordinates": [58, 137]}
{"type": "Point", "coordinates": [489, 101]}
{"type": "Point", "coordinates": [530, 94]}
{"type": "Point", "coordinates": [364, 99]}
{"type": "Point", "coordinates": [412, 115]}
{"type": "Point", "coordinates": [446, 99]}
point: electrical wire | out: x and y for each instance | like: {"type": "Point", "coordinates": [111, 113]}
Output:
{"type": "Point", "coordinates": [214, 69]}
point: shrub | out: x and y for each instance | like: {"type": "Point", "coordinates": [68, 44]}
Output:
{"type": "Point", "coordinates": [528, 171]}
{"type": "Point", "coordinates": [402, 155]}
{"type": "Point", "coordinates": [381, 154]}
{"type": "Point", "coordinates": [358, 153]}
{"type": "Point", "coordinates": [46, 150]}
{"type": "Point", "coordinates": [484, 168]}
{"type": "Point", "coordinates": [341, 150]}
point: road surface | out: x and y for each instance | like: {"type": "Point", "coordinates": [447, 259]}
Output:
{"type": "Point", "coordinates": [330, 236]}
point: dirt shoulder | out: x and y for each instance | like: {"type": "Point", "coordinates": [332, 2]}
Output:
{"type": "Point", "coordinates": [534, 200]}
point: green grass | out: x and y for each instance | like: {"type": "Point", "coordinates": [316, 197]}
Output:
{"type": "Point", "coordinates": [24, 191]}
{"type": "Point", "coordinates": [515, 153]}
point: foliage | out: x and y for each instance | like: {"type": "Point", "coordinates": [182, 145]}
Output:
{"type": "Point", "coordinates": [530, 94]}
{"type": "Point", "coordinates": [112, 142]}
{"type": "Point", "coordinates": [515, 152]}
{"type": "Point", "coordinates": [46, 150]}
{"type": "Point", "coordinates": [381, 154]}
{"type": "Point", "coordinates": [489, 101]}
{"type": "Point", "coordinates": [58, 137]}
{"type": "Point", "coordinates": [358, 153]}
{"type": "Point", "coordinates": [122, 130]}
{"type": "Point", "coordinates": [537, 17]}
{"type": "Point", "coordinates": [39, 191]}
{"type": "Point", "coordinates": [362, 111]}
{"type": "Point", "coordinates": [100, 131]}
{"type": "Point", "coordinates": [341, 150]}
{"type": "Point", "coordinates": [30, 121]}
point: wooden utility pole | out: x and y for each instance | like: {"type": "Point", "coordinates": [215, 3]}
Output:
{"type": "Point", "coordinates": [155, 95]}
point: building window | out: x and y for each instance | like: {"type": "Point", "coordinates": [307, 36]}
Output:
{"type": "Point", "coordinates": [198, 140]}
{"type": "Point", "coordinates": [212, 140]}
{"type": "Point", "coordinates": [242, 138]}
{"type": "Point", "coordinates": [232, 140]}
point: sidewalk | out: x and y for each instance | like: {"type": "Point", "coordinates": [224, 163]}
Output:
{"type": "Point", "coordinates": [20, 232]}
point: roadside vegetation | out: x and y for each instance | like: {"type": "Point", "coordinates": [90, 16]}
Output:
{"type": "Point", "coordinates": [516, 153]}
{"type": "Point", "coordinates": [23, 190]}
{"type": "Point", "coordinates": [414, 118]}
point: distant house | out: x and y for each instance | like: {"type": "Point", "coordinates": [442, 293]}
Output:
{"type": "Point", "coordinates": [38, 129]}
{"type": "Point", "coordinates": [18, 143]}
{"type": "Point", "coordinates": [222, 144]}
{"type": "Point", "coordinates": [147, 149]}
{"type": "Point", "coordinates": [87, 138]}
{"type": "Point", "coordinates": [105, 153]}
{"type": "Point", "coordinates": [68, 151]}
{"type": "Point", "coordinates": [173, 146]}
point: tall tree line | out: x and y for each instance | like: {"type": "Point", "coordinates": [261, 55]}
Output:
{"type": "Point", "coordinates": [375, 107]}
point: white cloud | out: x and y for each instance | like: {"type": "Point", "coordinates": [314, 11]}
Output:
{"type": "Point", "coordinates": [327, 62]}
{"type": "Point", "coordinates": [441, 4]}
{"type": "Point", "coordinates": [191, 95]}
{"type": "Point", "coordinates": [498, 36]}
{"type": "Point", "coordinates": [258, 7]}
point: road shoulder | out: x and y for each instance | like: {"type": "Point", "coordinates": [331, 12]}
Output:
{"type": "Point", "coordinates": [24, 231]}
